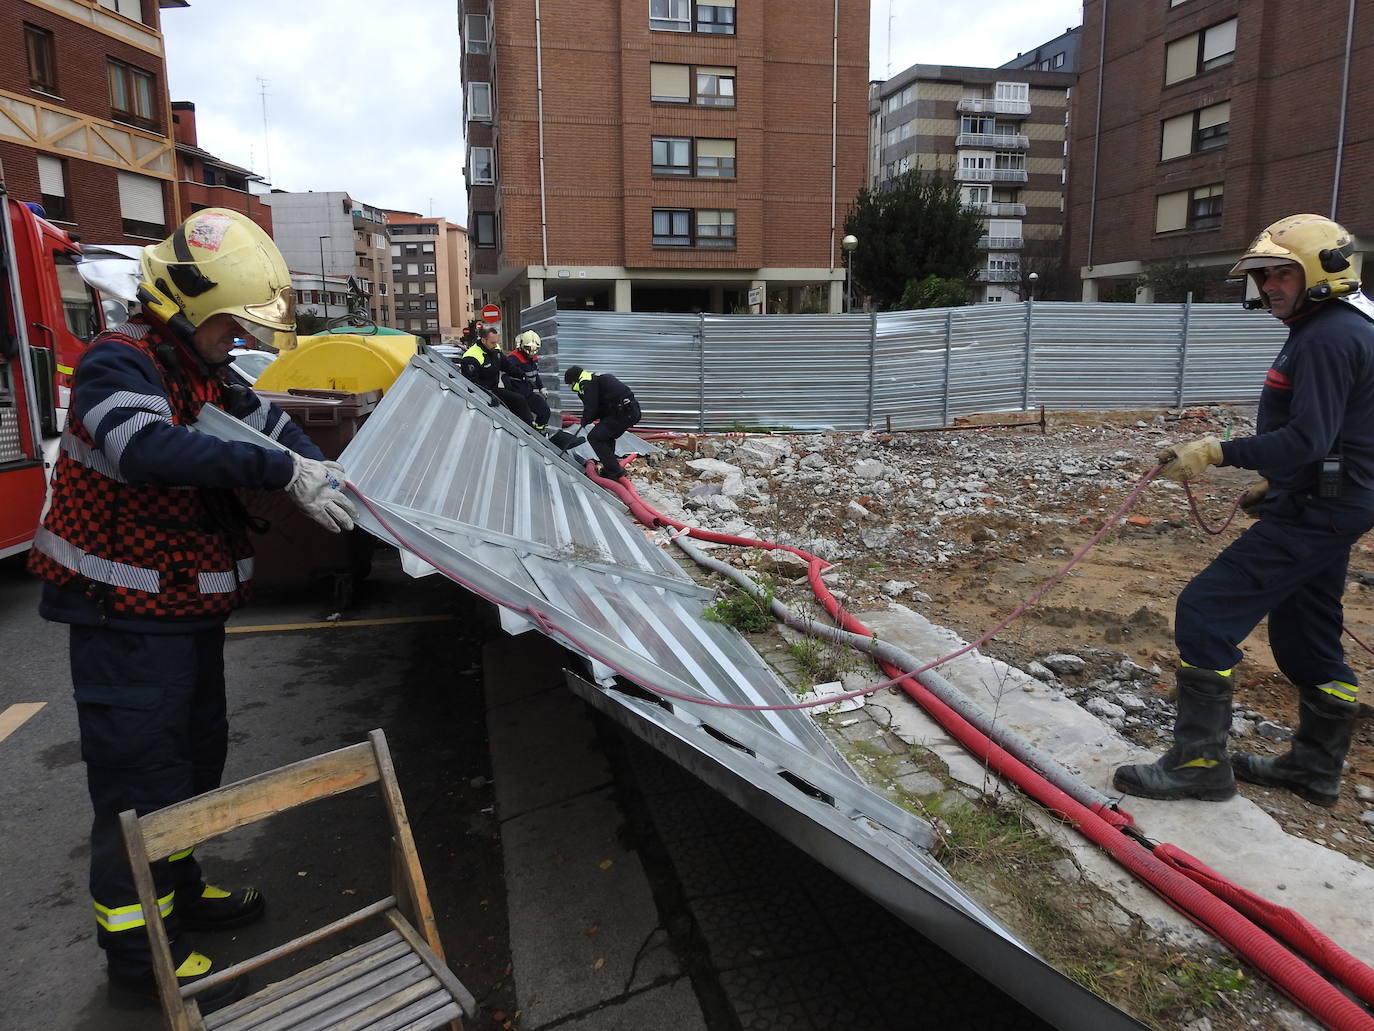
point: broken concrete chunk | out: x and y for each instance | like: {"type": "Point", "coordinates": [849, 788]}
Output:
{"type": "Point", "coordinates": [1063, 663]}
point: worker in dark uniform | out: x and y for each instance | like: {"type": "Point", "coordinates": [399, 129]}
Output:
{"type": "Point", "coordinates": [1314, 449]}
{"type": "Point", "coordinates": [612, 406]}
{"type": "Point", "coordinates": [144, 551]}
{"type": "Point", "coordinates": [481, 363]}
{"type": "Point", "coordinates": [521, 369]}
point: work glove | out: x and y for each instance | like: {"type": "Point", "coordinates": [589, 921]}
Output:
{"type": "Point", "coordinates": [317, 491]}
{"type": "Point", "coordinates": [1253, 495]}
{"type": "Point", "coordinates": [1187, 461]}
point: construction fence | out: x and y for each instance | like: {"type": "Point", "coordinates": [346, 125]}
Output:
{"type": "Point", "coordinates": [914, 369]}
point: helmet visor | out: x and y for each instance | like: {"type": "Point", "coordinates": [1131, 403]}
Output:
{"type": "Point", "coordinates": [261, 336]}
{"type": "Point", "coordinates": [278, 311]}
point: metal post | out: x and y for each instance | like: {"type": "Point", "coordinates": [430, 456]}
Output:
{"type": "Point", "coordinates": [324, 285]}
{"type": "Point", "coordinates": [1183, 348]}
{"type": "Point", "coordinates": [872, 361]}
{"type": "Point", "coordinates": [949, 351]}
{"type": "Point", "coordinates": [1026, 384]}
{"type": "Point", "coordinates": [701, 372]}
{"type": "Point", "coordinates": [848, 284]}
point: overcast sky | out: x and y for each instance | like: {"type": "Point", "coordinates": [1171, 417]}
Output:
{"type": "Point", "coordinates": [364, 96]}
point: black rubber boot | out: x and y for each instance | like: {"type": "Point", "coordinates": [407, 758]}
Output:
{"type": "Point", "coordinates": [125, 993]}
{"type": "Point", "coordinates": [1196, 766]}
{"type": "Point", "coordinates": [1311, 768]}
{"type": "Point", "coordinates": [218, 909]}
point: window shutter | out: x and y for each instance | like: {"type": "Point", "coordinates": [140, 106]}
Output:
{"type": "Point", "coordinates": [669, 80]}
{"type": "Point", "coordinates": [1218, 40]}
{"type": "Point", "coordinates": [716, 148]}
{"type": "Point", "coordinates": [1171, 212]}
{"type": "Point", "coordinates": [1180, 59]}
{"type": "Point", "coordinates": [1217, 114]}
{"type": "Point", "coordinates": [50, 177]}
{"type": "Point", "coordinates": [1178, 137]}
{"type": "Point", "coordinates": [140, 198]}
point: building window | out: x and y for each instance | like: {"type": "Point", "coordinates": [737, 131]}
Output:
{"type": "Point", "coordinates": [141, 205]}
{"type": "Point", "coordinates": [670, 15]}
{"type": "Point", "coordinates": [395, 250]}
{"type": "Point", "coordinates": [484, 229]}
{"type": "Point", "coordinates": [1196, 132]}
{"type": "Point", "coordinates": [42, 59]}
{"type": "Point", "coordinates": [431, 306]}
{"type": "Point", "coordinates": [1199, 208]}
{"type": "Point", "coordinates": [413, 269]}
{"type": "Point", "coordinates": [395, 270]}
{"type": "Point", "coordinates": [130, 9]}
{"type": "Point", "coordinates": [716, 16]}
{"type": "Point", "coordinates": [478, 39]}
{"type": "Point", "coordinates": [429, 268]}
{"type": "Point", "coordinates": [670, 83]}
{"type": "Point", "coordinates": [672, 155]}
{"type": "Point", "coordinates": [483, 166]}
{"type": "Point", "coordinates": [1199, 52]}
{"type": "Point", "coordinates": [672, 227]}
{"type": "Point", "coordinates": [479, 101]}
{"type": "Point", "coordinates": [52, 188]}
{"type": "Point", "coordinates": [715, 228]}
{"type": "Point", "coordinates": [716, 159]}
{"type": "Point", "coordinates": [426, 248]}
{"type": "Point", "coordinates": [715, 87]}
{"type": "Point", "coordinates": [131, 94]}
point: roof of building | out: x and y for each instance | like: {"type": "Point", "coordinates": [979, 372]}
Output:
{"type": "Point", "coordinates": [210, 159]}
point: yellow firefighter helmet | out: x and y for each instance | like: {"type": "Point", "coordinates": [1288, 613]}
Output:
{"type": "Point", "coordinates": [220, 262]}
{"type": "Point", "coordinates": [528, 342]}
{"type": "Point", "coordinates": [1322, 247]}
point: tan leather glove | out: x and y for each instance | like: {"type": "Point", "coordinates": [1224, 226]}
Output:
{"type": "Point", "coordinates": [1187, 461]}
{"type": "Point", "coordinates": [1253, 495]}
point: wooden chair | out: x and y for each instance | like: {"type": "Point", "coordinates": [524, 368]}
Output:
{"type": "Point", "coordinates": [395, 982]}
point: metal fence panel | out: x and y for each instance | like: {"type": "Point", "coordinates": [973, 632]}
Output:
{"type": "Point", "coordinates": [919, 369]}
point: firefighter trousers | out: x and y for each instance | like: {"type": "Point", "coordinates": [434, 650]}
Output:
{"type": "Point", "coordinates": [1290, 565]}
{"type": "Point", "coordinates": [154, 731]}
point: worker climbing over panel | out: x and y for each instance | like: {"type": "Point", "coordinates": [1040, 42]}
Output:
{"type": "Point", "coordinates": [145, 551]}
{"type": "Point", "coordinates": [521, 369]}
{"type": "Point", "coordinates": [612, 406]}
{"type": "Point", "coordinates": [481, 363]}
{"type": "Point", "coordinates": [1314, 450]}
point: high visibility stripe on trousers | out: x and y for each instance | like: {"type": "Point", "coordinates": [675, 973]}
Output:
{"type": "Point", "coordinates": [128, 918]}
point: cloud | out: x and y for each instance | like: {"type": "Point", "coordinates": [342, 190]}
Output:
{"type": "Point", "coordinates": [985, 35]}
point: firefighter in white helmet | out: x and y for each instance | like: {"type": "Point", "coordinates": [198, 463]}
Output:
{"type": "Point", "coordinates": [521, 370]}
{"type": "Point", "coordinates": [144, 552]}
{"type": "Point", "coordinates": [1314, 451]}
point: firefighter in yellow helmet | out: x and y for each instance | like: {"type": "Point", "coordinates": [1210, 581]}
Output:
{"type": "Point", "coordinates": [144, 552]}
{"type": "Point", "coordinates": [520, 369]}
{"type": "Point", "coordinates": [1314, 451]}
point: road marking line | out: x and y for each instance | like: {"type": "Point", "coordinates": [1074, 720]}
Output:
{"type": "Point", "coordinates": [16, 716]}
{"type": "Point", "coordinates": [334, 624]}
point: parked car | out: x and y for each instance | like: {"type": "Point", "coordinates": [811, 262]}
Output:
{"type": "Point", "coordinates": [249, 362]}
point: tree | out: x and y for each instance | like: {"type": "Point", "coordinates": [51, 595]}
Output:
{"type": "Point", "coordinates": [1173, 279]}
{"type": "Point", "coordinates": [909, 228]}
{"type": "Point", "coordinates": [935, 292]}
{"type": "Point", "coordinates": [308, 323]}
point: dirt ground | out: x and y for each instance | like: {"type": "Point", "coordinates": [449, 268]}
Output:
{"type": "Point", "coordinates": [963, 526]}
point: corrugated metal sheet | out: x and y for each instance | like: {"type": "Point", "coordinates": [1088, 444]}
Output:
{"type": "Point", "coordinates": [922, 368]}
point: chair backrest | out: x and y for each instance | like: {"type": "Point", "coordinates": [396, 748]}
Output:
{"type": "Point", "coordinates": [186, 824]}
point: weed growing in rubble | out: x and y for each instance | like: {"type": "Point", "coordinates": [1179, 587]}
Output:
{"type": "Point", "coordinates": [744, 612]}
{"type": "Point", "coordinates": [976, 832]}
{"type": "Point", "coordinates": [821, 661]}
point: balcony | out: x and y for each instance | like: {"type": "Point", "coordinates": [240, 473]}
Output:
{"type": "Point", "coordinates": [990, 175]}
{"type": "Point", "coordinates": [999, 275]}
{"type": "Point", "coordinates": [992, 140]}
{"type": "Point", "coordinates": [998, 209]}
{"type": "Point", "coordinates": [1000, 243]}
{"type": "Point", "coordinates": [988, 106]}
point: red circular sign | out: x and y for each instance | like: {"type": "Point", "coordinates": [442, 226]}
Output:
{"type": "Point", "coordinates": [491, 313]}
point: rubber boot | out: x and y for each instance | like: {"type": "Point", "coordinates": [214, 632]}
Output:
{"type": "Point", "coordinates": [215, 909]}
{"type": "Point", "coordinates": [143, 992]}
{"type": "Point", "coordinates": [1196, 766]}
{"type": "Point", "coordinates": [1311, 768]}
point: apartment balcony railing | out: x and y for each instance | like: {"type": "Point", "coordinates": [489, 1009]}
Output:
{"type": "Point", "coordinates": [1000, 243]}
{"type": "Point", "coordinates": [990, 175]}
{"type": "Point", "coordinates": [999, 275]}
{"type": "Point", "coordinates": [993, 140]}
{"type": "Point", "coordinates": [988, 106]}
{"type": "Point", "coordinates": [999, 209]}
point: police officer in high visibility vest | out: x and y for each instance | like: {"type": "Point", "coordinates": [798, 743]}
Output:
{"type": "Point", "coordinates": [612, 406]}
{"type": "Point", "coordinates": [1314, 449]}
{"type": "Point", "coordinates": [144, 552]}
{"type": "Point", "coordinates": [481, 363]}
{"type": "Point", "coordinates": [521, 371]}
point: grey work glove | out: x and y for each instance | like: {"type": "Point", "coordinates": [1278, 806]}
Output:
{"type": "Point", "coordinates": [1187, 461]}
{"type": "Point", "coordinates": [316, 488]}
{"type": "Point", "coordinates": [1253, 495]}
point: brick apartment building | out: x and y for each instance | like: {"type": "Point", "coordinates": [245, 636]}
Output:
{"type": "Point", "coordinates": [662, 155]}
{"type": "Point", "coordinates": [1205, 121]}
{"type": "Point", "coordinates": [430, 274]}
{"type": "Point", "coordinates": [1000, 134]}
{"type": "Point", "coordinates": [205, 181]}
{"type": "Point", "coordinates": [85, 126]}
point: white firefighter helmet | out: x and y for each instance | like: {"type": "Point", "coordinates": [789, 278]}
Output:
{"type": "Point", "coordinates": [1322, 247]}
{"type": "Point", "coordinates": [528, 342]}
{"type": "Point", "coordinates": [220, 262]}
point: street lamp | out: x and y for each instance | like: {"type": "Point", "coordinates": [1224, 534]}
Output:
{"type": "Point", "coordinates": [849, 243]}
{"type": "Point", "coordinates": [1034, 278]}
{"type": "Point", "coordinates": [324, 285]}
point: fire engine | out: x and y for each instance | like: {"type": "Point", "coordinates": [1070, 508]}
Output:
{"type": "Point", "coordinates": [48, 314]}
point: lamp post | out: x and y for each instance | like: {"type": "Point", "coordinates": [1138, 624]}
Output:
{"type": "Point", "coordinates": [1033, 278]}
{"type": "Point", "coordinates": [324, 284]}
{"type": "Point", "coordinates": [849, 243]}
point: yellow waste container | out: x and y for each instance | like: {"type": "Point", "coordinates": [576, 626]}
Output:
{"type": "Point", "coordinates": [351, 362]}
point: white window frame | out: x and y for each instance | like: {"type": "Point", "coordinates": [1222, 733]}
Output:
{"type": "Point", "coordinates": [477, 34]}
{"type": "Point", "coordinates": [670, 15]}
{"type": "Point", "coordinates": [482, 166]}
{"type": "Point", "coordinates": [479, 110]}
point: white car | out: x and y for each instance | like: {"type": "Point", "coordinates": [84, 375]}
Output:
{"type": "Point", "coordinates": [249, 362]}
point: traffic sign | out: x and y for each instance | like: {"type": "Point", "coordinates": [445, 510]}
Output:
{"type": "Point", "coordinates": [491, 314]}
